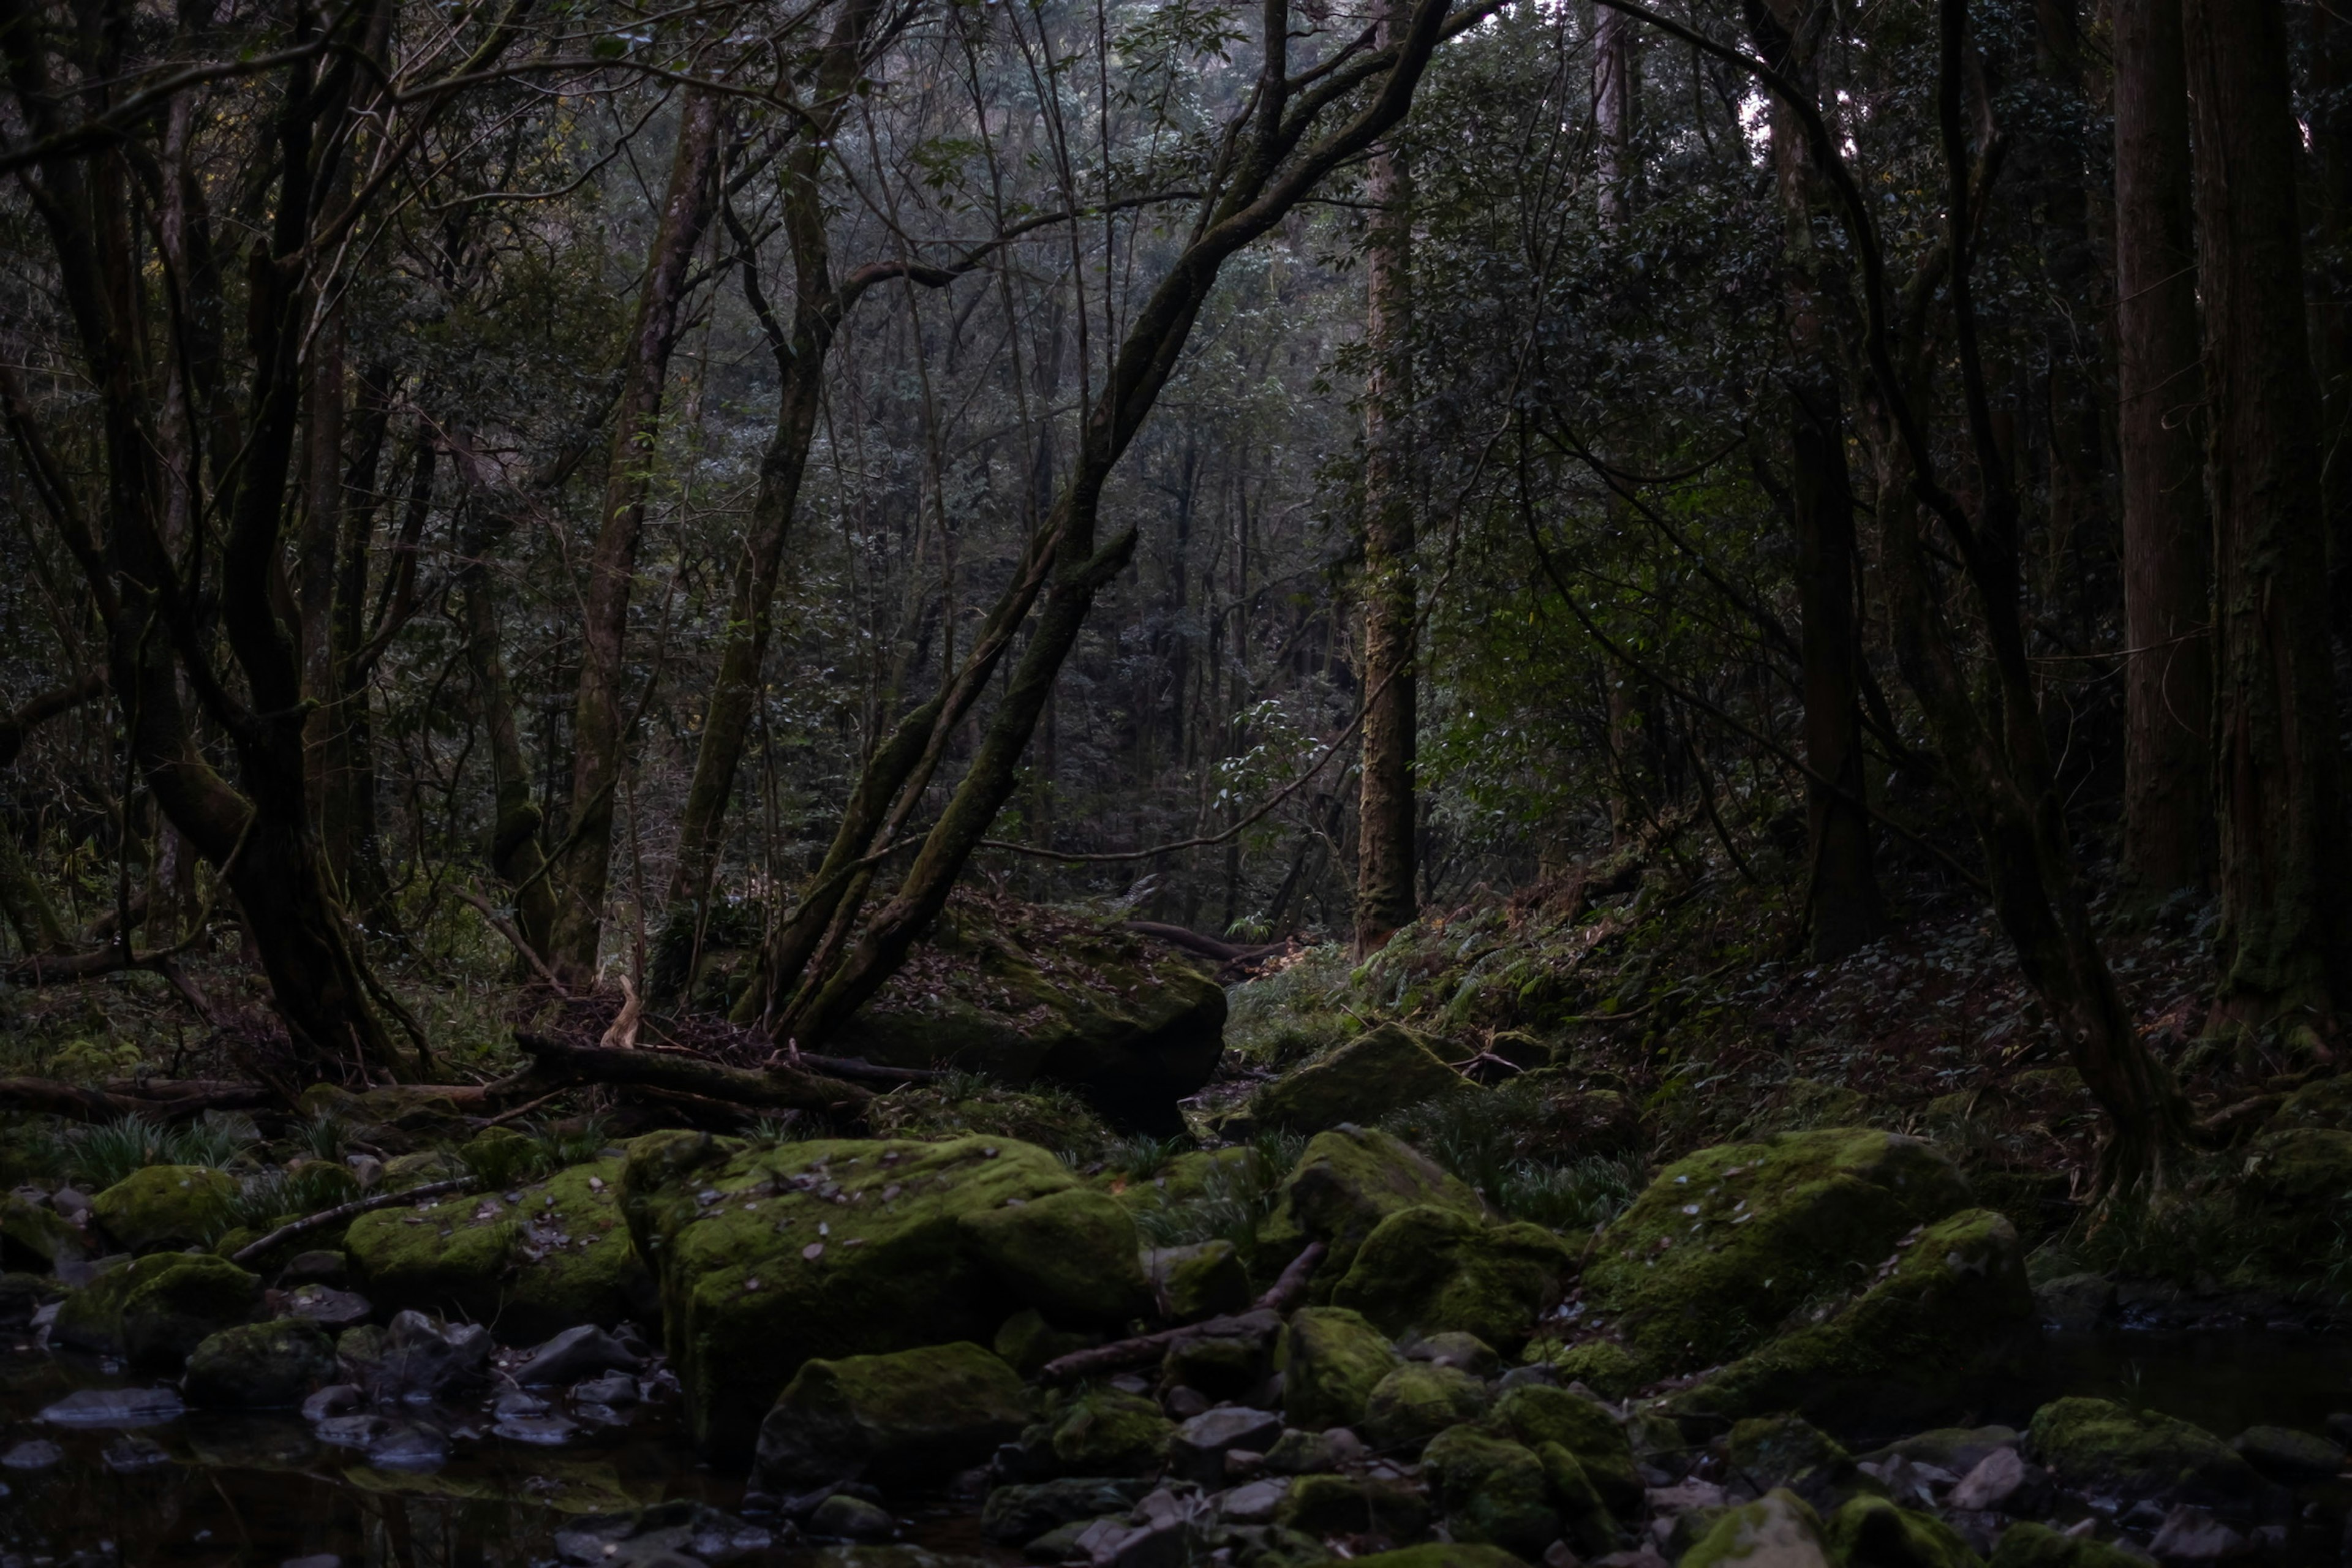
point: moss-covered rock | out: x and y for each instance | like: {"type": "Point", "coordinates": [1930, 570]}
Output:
{"type": "Point", "coordinates": [1872, 1533]}
{"type": "Point", "coordinates": [559, 1257]}
{"type": "Point", "coordinates": [1537, 1414]}
{"type": "Point", "coordinates": [1778, 1530]}
{"type": "Point", "coordinates": [1427, 1269]}
{"type": "Point", "coordinates": [1199, 1281]}
{"type": "Point", "coordinates": [1323, 1505]}
{"type": "Point", "coordinates": [1587, 1523]}
{"type": "Point", "coordinates": [2029, 1545]}
{"type": "Point", "coordinates": [1441, 1555]}
{"type": "Point", "coordinates": [1491, 1490]}
{"type": "Point", "coordinates": [1385, 1069]}
{"type": "Point", "coordinates": [767, 1259]}
{"type": "Point", "coordinates": [908, 1417]}
{"type": "Point", "coordinates": [2098, 1446]}
{"type": "Point", "coordinates": [1603, 1366]}
{"type": "Point", "coordinates": [1770, 1451]}
{"type": "Point", "coordinates": [1028, 994]}
{"type": "Point", "coordinates": [1719, 1251]}
{"type": "Point", "coordinates": [2296, 1194]}
{"type": "Point", "coordinates": [35, 1235]}
{"type": "Point", "coordinates": [1417, 1401]}
{"type": "Point", "coordinates": [1346, 1184]}
{"type": "Point", "coordinates": [1071, 1252]}
{"type": "Point", "coordinates": [157, 1309]}
{"type": "Point", "coordinates": [1331, 1360]}
{"type": "Point", "coordinates": [166, 1207]}
{"type": "Point", "coordinates": [1026, 1341]}
{"type": "Point", "coordinates": [1951, 1306]}
{"type": "Point", "coordinates": [260, 1366]}
{"type": "Point", "coordinates": [1107, 1432]}
{"type": "Point", "coordinates": [2323, 1102]}
{"type": "Point", "coordinates": [1223, 1366]}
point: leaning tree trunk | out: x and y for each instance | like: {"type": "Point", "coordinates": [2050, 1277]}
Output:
{"type": "Point", "coordinates": [2286, 925]}
{"type": "Point", "coordinates": [2166, 540]}
{"type": "Point", "coordinates": [1385, 815]}
{"type": "Point", "coordinates": [584, 863]}
{"type": "Point", "coordinates": [1273, 168]}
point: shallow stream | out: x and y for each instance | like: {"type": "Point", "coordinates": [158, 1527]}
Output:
{"type": "Point", "coordinates": [207, 1488]}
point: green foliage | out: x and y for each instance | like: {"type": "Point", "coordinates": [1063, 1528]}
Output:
{"type": "Point", "coordinates": [1502, 1142]}
{"type": "Point", "coordinates": [271, 1197]}
{"type": "Point", "coordinates": [957, 1103]}
{"type": "Point", "coordinates": [1234, 1201]}
{"type": "Point", "coordinates": [104, 1153]}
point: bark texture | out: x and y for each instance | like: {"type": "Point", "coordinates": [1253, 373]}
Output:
{"type": "Point", "coordinates": [2286, 926]}
{"type": "Point", "coordinates": [2167, 539]}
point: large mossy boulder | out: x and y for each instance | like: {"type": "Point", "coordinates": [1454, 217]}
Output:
{"type": "Point", "coordinates": [2029, 1545]}
{"type": "Point", "coordinates": [906, 1418]}
{"type": "Point", "coordinates": [2099, 1447]}
{"type": "Point", "coordinates": [1778, 1530]}
{"type": "Point", "coordinates": [1110, 1432]}
{"type": "Point", "coordinates": [35, 1235]}
{"type": "Point", "coordinates": [260, 1366]}
{"type": "Point", "coordinates": [1348, 1181]}
{"type": "Point", "coordinates": [1418, 1401]}
{"type": "Point", "coordinates": [1717, 1253]}
{"type": "Point", "coordinates": [769, 1258]}
{"type": "Point", "coordinates": [1492, 1489]}
{"type": "Point", "coordinates": [1331, 1360]}
{"type": "Point", "coordinates": [1429, 1269]}
{"type": "Point", "coordinates": [1872, 1533]}
{"type": "Point", "coordinates": [559, 1257]}
{"type": "Point", "coordinates": [1385, 1069]}
{"type": "Point", "coordinates": [1952, 1306]}
{"type": "Point", "coordinates": [1538, 1413]}
{"type": "Point", "coordinates": [1030, 994]}
{"type": "Point", "coordinates": [154, 1310]}
{"type": "Point", "coordinates": [166, 1206]}
{"type": "Point", "coordinates": [2296, 1194]}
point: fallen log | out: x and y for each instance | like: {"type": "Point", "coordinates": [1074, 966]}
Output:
{"type": "Point", "coordinates": [1261, 1321]}
{"type": "Point", "coordinates": [778, 1087]}
{"type": "Point", "coordinates": [157, 1100]}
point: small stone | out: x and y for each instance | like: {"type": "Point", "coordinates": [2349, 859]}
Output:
{"type": "Point", "coordinates": [846, 1518]}
{"type": "Point", "coordinates": [2191, 1534]}
{"type": "Point", "coordinates": [613, 1388]}
{"type": "Point", "coordinates": [326, 1306]}
{"type": "Point", "coordinates": [1254, 1503]}
{"type": "Point", "coordinates": [130, 1454]}
{"type": "Point", "coordinates": [2000, 1477]}
{"type": "Point", "coordinates": [354, 1431]}
{"type": "Point", "coordinates": [576, 1354]}
{"type": "Point", "coordinates": [335, 1399]}
{"type": "Point", "coordinates": [2286, 1455]}
{"type": "Point", "coordinates": [1197, 1449]}
{"type": "Point", "coordinates": [1464, 1353]}
{"type": "Point", "coordinates": [538, 1431]}
{"type": "Point", "coordinates": [401, 1446]}
{"type": "Point", "coordinates": [33, 1453]}
{"type": "Point", "coordinates": [1182, 1404]}
{"type": "Point", "coordinates": [115, 1408]}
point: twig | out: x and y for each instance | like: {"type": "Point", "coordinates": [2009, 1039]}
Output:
{"type": "Point", "coordinates": [351, 1210]}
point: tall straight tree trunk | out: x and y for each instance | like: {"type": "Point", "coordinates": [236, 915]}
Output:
{"type": "Point", "coordinates": [2168, 543]}
{"type": "Point", "coordinates": [1384, 840]}
{"type": "Point", "coordinates": [2328, 112]}
{"type": "Point", "coordinates": [1843, 908]}
{"type": "Point", "coordinates": [584, 863]}
{"type": "Point", "coordinates": [2286, 923]}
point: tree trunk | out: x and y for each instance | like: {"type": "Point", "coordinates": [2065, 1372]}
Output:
{"type": "Point", "coordinates": [2286, 927]}
{"type": "Point", "coordinates": [2167, 542]}
{"type": "Point", "coordinates": [1843, 908]}
{"type": "Point", "coordinates": [585, 864]}
{"type": "Point", "coordinates": [817, 308]}
{"type": "Point", "coordinates": [1384, 841]}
